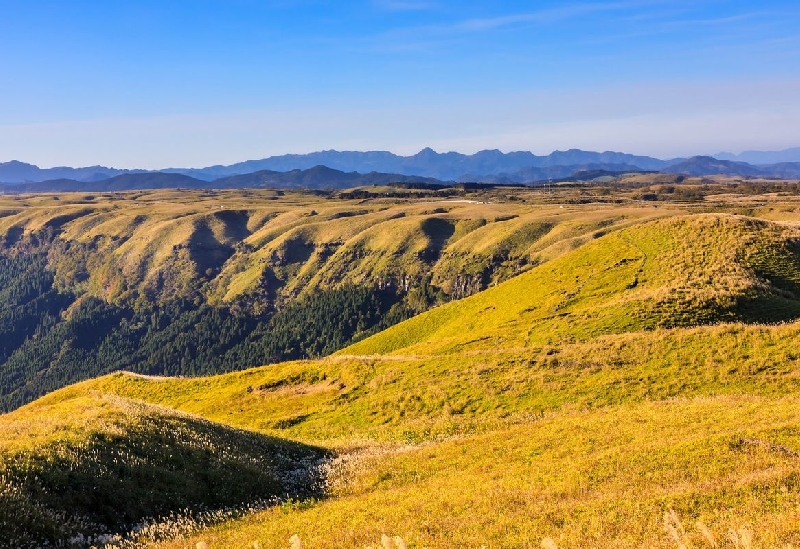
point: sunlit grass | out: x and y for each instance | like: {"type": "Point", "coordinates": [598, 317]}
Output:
{"type": "Point", "coordinates": [408, 398]}
{"type": "Point", "coordinates": [635, 370]}
{"type": "Point", "coordinates": [584, 478]}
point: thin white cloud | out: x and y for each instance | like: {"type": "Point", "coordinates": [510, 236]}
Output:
{"type": "Point", "coordinates": [718, 21]}
{"type": "Point", "coordinates": [655, 17]}
{"type": "Point", "coordinates": [670, 21]}
{"type": "Point", "coordinates": [541, 16]}
{"type": "Point", "coordinates": [401, 5]}
{"type": "Point", "coordinates": [423, 37]}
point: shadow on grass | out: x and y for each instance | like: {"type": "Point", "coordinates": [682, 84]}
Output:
{"type": "Point", "coordinates": [147, 466]}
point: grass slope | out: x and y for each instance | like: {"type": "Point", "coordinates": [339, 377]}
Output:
{"type": "Point", "coordinates": [588, 443]}
{"type": "Point", "coordinates": [229, 246]}
{"type": "Point", "coordinates": [579, 400]}
{"type": "Point", "coordinates": [600, 478]}
{"type": "Point", "coordinates": [414, 399]}
{"type": "Point", "coordinates": [81, 463]}
{"type": "Point", "coordinates": [675, 272]}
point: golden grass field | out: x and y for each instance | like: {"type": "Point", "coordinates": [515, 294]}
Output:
{"type": "Point", "coordinates": [631, 360]}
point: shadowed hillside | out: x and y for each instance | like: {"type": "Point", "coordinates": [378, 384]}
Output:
{"type": "Point", "coordinates": [91, 464]}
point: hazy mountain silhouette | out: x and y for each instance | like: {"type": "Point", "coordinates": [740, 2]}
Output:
{"type": "Point", "coordinates": [532, 174]}
{"type": "Point", "coordinates": [427, 163]}
{"type": "Point", "coordinates": [763, 157]}
{"type": "Point", "coordinates": [318, 177]}
{"type": "Point", "coordinates": [339, 169]}
{"type": "Point", "coordinates": [124, 182]}
{"type": "Point", "coordinates": [708, 165]}
{"type": "Point", "coordinates": [20, 172]}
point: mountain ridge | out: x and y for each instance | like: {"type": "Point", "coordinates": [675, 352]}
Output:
{"type": "Point", "coordinates": [762, 157]}
{"type": "Point", "coordinates": [342, 169]}
{"type": "Point", "coordinates": [708, 165]}
{"type": "Point", "coordinates": [425, 163]}
{"type": "Point", "coordinates": [318, 177]}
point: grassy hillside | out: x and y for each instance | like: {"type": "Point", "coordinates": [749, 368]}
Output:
{"type": "Point", "coordinates": [642, 362]}
{"type": "Point", "coordinates": [681, 271]}
{"type": "Point", "coordinates": [505, 449]}
{"type": "Point", "coordinates": [180, 283]}
{"type": "Point", "coordinates": [83, 464]}
{"type": "Point", "coordinates": [599, 478]}
{"type": "Point", "coordinates": [412, 399]}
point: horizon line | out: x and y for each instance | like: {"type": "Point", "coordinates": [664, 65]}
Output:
{"type": "Point", "coordinates": [344, 151]}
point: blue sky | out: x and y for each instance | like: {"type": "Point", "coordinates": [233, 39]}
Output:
{"type": "Point", "coordinates": [200, 82]}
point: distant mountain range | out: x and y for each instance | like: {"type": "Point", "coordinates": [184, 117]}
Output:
{"type": "Point", "coordinates": [123, 182]}
{"type": "Point", "coordinates": [708, 165]}
{"type": "Point", "coordinates": [318, 177]}
{"type": "Point", "coordinates": [343, 169]}
{"type": "Point", "coordinates": [20, 172]}
{"type": "Point", "coordinates": [533, 174]}
{"type": "Point", "coordinates": [449, 166]}
{"type": "Point", "coordinates": [762, 157]}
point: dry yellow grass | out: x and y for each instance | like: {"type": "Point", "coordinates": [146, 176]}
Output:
{"type": "Point", "coordinates": [584, 479]}
{"type": "Point", "coordinates": [306, 241]}
{"type": "Point", "coordinates": [574, 406]}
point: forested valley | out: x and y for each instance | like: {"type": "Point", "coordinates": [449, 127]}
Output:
{"type": "Point", "coordinates": [52, 337]}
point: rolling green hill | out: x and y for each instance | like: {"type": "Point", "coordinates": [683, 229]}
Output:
{"type": "Point", "coordinates": [623, 363]}
{"type": "Point", "coordinates": [180, 283]}
{"type": "Point", "coordinates": [681, 271]}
